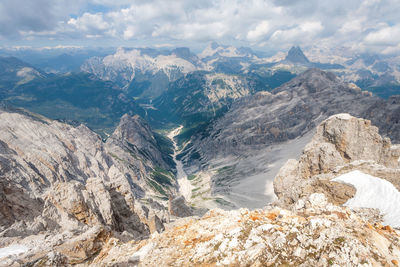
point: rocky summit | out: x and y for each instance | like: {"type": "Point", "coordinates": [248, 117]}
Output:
{"type": "Point", "coordinates": [295, 55]}
{"type": "Point", "coordinates": [199, 133]}
{"type": "Point", "coordinates": [316, 234]}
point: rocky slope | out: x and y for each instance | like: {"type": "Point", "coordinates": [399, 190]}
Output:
{"type": "Point", "coordinates": [307, 226]}
{"type": "Point", "coordinates": [316, 234]}
{"type": "Point", "coordinates": [62, 184]}
{"type": "Point", "coordinates": [198, 97]}
{"type": "Point", "coordinates": [271, 127]}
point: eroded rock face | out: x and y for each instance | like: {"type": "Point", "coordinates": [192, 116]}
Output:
{"type": "Point", "coordinates": [342, 143]}
{"type": "Point", "coordinates": [89, 244]}
{"type": "Point", "coordinates": [17, 205]}
{"type": "Point", "coordinates": [133, 132]}
{"type": "Point", "coordinates": [178, 207]}
{"type": "Point", "coordinates": [62, 182]}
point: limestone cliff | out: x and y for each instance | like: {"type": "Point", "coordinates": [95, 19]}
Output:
{"type": "Point", "coordinates": [58, 180]}
{"type": "Point", "coordinates": [341, 144]}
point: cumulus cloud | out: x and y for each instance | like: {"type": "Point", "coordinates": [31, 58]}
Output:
{"type": "Point", "coordinates": [259, 31]}
{"type": "Point", "coordinates": [367, 24]}
{"type": "Point", "coordinates": [34, 16]}
{"type": "Point", "coordinates": [300, 33]}
{"type": "Point", "coordinates": [89, 22]}
{"type": "Point", "coordinates": [386, 36]}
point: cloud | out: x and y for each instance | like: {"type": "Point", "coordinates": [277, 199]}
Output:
{"type": "Point", "coordinates": [368, 24]}
{"type": "Point", "coordinates": [259, 31]}
{"type": "Point", "coordinates": [389, 36]}
{"type": "Point", "coordinates": [303, 32]}
{"type": "Point", "coordinates": [90, 22]}
{"type": "Point", "coordinates": [39, 15]}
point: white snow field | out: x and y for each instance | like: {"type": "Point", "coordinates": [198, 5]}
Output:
{"type": "Point", "coordinates": [374, 192]}
{"type": "Point", "coordinates": [11, 250]}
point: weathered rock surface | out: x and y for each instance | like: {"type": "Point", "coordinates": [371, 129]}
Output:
{"type": "Point", "coordinates": [62, 182]}
{"type": "Point", "coordinates": [133, 135]}
{"type": "Point", "coordinates": [313, 229]}
{"type": "Point", "coordinates": [317, 233]}
{"type": "Point", "coordinates": [178, 207]}
{"type": "Point", "coordinates": [342, 143]}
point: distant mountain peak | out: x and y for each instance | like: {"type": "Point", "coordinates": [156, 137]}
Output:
{"type": "Point", "coordinates": [214, 45]}
{"type": "Point", "coordinates": [296, 55]}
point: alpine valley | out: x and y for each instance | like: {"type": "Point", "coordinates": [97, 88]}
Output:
{"type": "Point", "coordinates": [226, 157]}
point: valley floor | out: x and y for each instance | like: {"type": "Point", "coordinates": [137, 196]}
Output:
{"type": "Point", "coordinates": [185, 188]}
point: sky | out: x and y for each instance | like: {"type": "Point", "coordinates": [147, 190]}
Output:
{"type": "Point", "coordinates": [362, 25]}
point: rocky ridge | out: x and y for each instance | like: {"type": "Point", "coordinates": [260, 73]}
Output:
{"type": "Point", "coordinates": [130, 68]}
{"type": "Point", "coordinates": [62, 184]}
{"type": "Point", "coordinates": [316, 234]}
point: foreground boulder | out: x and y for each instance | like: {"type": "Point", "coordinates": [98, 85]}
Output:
{"type": "Point", "coordinates": [341, 144]}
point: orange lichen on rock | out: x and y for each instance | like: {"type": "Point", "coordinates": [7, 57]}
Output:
{"type": "Point", "coordinates": [196, 240]}
{"type": "Point", "coordinates": [183, 227]}
{"type": "Point", "coordinates": [255, 217]}
{"type": "Point", "coordinates": [272, 216]}
{"type": "Point", "coordinates": [341, 215]}
{"type": "Point", "coordinates": [387, 228]}
{"type": "Point", "coordinates": [370, 226]}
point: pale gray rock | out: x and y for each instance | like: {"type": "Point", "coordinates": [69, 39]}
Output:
{"type": "Point", "coordinates": [178, 207]}
{"type": "Point", "coordinates": [151, 68]}
{"type": "Point", "coordinates": [57, 177]}
{"type": "Point", "coordinates": [65, 190]}
{"type": "Point", "coordinates": [319, 234]}
{"type": "Point", "coordinates": [135, 135]}
{"type": "Point", "coordinates": [342, 143]}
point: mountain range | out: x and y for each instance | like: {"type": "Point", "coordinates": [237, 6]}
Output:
{"type": "Point", "coordinates": [285, 160]}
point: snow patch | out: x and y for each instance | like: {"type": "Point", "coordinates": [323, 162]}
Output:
{"type": "Point", "coordinates": [373, 192]}
{"type": "Point", "coordinates": [12, 250]}
{"type": "Point", "coordinates": [342, 116]}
